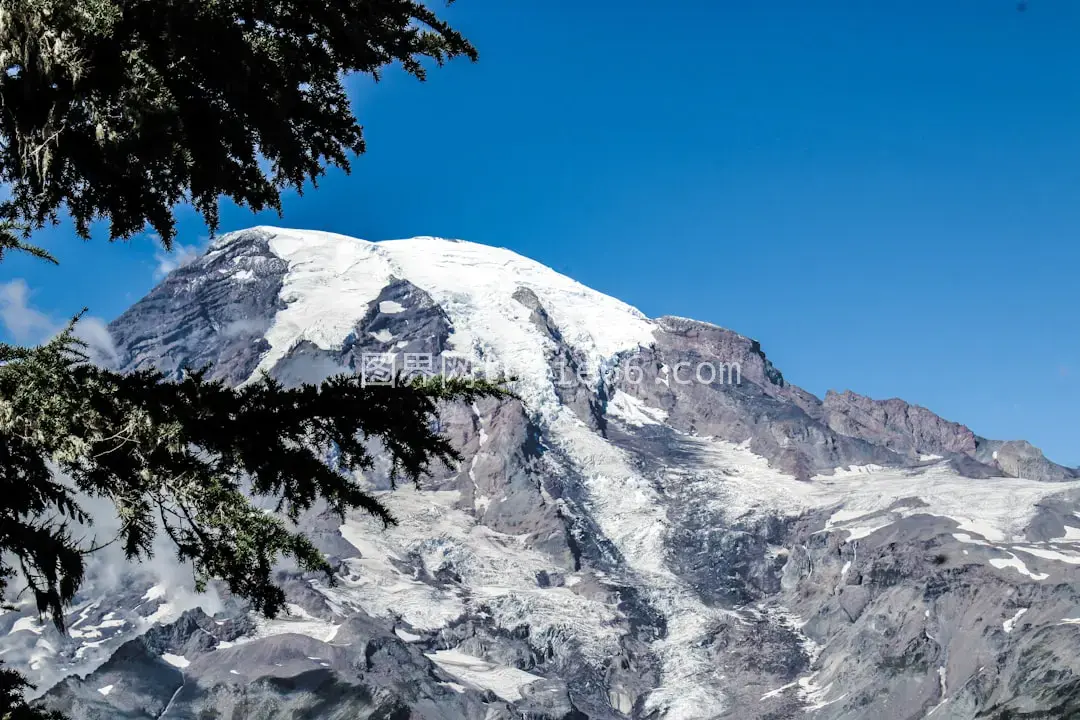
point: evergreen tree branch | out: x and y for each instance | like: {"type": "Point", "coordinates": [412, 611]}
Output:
{"type": "Point", "coordinates": [12, 239]}
{"type": "Point", "coordinates": [190, 457]}
{"type": "Point", "coordinates": [12, 704]}
{"type": "Point", "coordinates": [119, 109]}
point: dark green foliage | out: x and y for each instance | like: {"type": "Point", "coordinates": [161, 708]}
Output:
{"type": "Point", "coordinates": [12, 705]}
{"type": "Point", "coordinates": [186, 458]}
{"type": "Point", "coordinates": [121, 109]}
{"type": "Point", "coordinates": [12, 238]}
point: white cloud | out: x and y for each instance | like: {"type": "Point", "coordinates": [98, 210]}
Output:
{"type": "Point", "coordinates": [25, 324]}
{"type": "Point", "coordinates": [244, 326]}
{"type": "Point", "coordinates": [180, 256]}
{"type": "Point", "coordinates": [108, 569]}
{"type": "Point", "coordinates": [99, 343]}
{"type": "Point", "coordinates": [29, 326]}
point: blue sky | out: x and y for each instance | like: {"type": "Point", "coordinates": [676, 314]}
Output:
{"type": "Point", "coordinates": [886, 194]}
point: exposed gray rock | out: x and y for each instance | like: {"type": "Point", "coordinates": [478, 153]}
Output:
{"type": "Point", "coordinates": [213, 313]}
{"type": "Point", "coordinates": [366, 672]}
{"type": "Point", "coordinates": [906, 429]}
{"type": "Point", "coordinates": [742, 403]}
{"type": "Point", "coordinates": [1019, 458]}
{"type": "Point", "coordinates": [913, 431]}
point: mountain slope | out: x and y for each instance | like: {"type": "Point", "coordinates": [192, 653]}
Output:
{"type": "Point", "coordinates": [664, 526]}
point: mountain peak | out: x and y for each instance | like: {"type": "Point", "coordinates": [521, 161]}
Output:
{"type": "Point", "coordinates": [643, 528]}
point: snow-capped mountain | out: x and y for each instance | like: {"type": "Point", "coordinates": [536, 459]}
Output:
{"type": "Point", "coordinates": [662, 526]}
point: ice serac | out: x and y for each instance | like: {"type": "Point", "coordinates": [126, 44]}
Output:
{"type": "Point", "coordinates": [663, 526]}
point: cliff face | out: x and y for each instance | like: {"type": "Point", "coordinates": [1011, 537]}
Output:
{"type": "Point", "coordinates": [914, 431]}
{"type": "Point", "coordinates": [907, 429]}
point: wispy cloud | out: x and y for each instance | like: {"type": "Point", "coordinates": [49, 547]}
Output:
{"type": "Point", "coordinates": [180, 256]}
{"type": "Point", "coordinates": [27, 325]}
{"type": "Point", "coordinates": [95, 333]}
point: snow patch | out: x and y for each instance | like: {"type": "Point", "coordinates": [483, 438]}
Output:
{"type": "Point", "coordinates": [383, 336]}
{"type": "Point", "coordinates": [177, 661]}
{"type": "Point", "coordinates": [298, 621]}
{"type": "Point", "coordinates": [407, 636]}
{"type": "Point", "coordinates": [844, 573]}
{"type": "Point", "coordinates": [1009, 624]}
{"type": "Point", "coordinates": [942, 675]}
{"type": "Point", "coordinates": [165, 613]}
{"type": "Point", "coordinates": [997, 509]}
{"type": "Point", "coordinates": [780, 690]}
{"type": "Point", "coordinates": [28, 623]}
{"type": "Point", "coordinates": [814, 695]}
{"type": "Point", "coordinates": [633, 411]}
{"type": "Point", "coordinates": [1070, 558]}
{"type": "Point", "coordinates": [1017, 564]}
{"type": "Point", "coordinates": [154, 593]}
{"type": "Point", "coordinates": [504, 681]}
